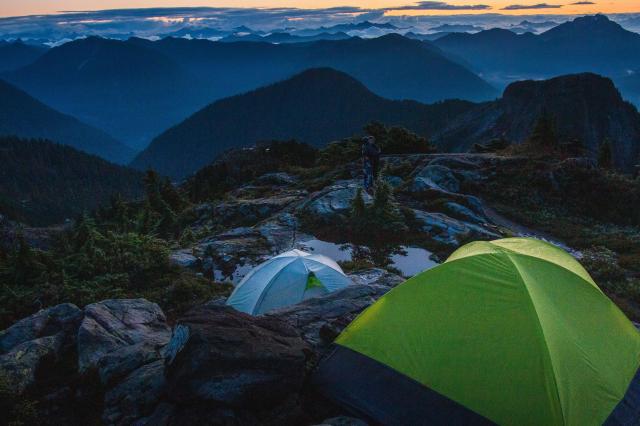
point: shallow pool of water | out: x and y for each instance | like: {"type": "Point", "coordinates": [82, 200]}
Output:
{"type": "Point", "coordinates": [412, 262]}
{"type": "Point", "coordinates": [337, 252]}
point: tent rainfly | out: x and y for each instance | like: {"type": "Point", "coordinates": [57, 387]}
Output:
{"type": "Point", "coordinates": [509, 332]}
{"type": "Point", "coordinates": [287, 279]}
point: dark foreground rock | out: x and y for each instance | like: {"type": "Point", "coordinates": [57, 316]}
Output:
{"type": "Point", "coordinates": [36, 342]}
{"type": "Point", "coordinates": [113, 325]}
{"type": "Point", "coordinates": [123, 365]}
{"type": "Point", "coordinates": [231, 359]}
{"type": "Point", "coordinates": [123, 340]}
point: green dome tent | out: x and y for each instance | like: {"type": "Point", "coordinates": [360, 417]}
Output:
{"type": "Point", "coordinates": [513, 332]}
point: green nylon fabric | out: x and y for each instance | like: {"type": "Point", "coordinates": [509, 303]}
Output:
{"type": "Point", "coordinates": [514, 330]}
{"type": "Point", "coordinates": [313, 282]}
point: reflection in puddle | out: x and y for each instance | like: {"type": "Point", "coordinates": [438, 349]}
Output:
{"type": "Point", "coordinates": [337, 252]}
{"type": "Point", "coordinates": [413, 260]}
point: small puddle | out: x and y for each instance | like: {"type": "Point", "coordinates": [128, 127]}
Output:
{"type": "Point", "coordinates": [412, 262]}
{"type": "Point", "coordinates": [337, 252]}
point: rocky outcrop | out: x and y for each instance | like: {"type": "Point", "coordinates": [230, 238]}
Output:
{"type": "Point", "coordinates": [35, 342]}
{"type": "Point", "coordinates": [333, 200]}
{"type": "Point", "coordinates": [183, 258]}
{"type": "Point", "coordinates": [447, 230]}
{"type": "Point", "coordinates": [123, 340]}
{"type": "Point", "coordinates": [277, 178]}
{"type": "Point", "coordinates": [119, 324]}
{"type": "Point", "coordinates": [219, 366]}
{"type": "Point", "coordinates": [249, 211]}
{"type": "Point", "coordinates": [437, 177]}
{"type": "Point", "coordinates": [222, 254]}
{"type": "Point", "coordinates": [136, 396]}
{"type": "Point", "coordinates": [280, 232]}
{"type": "Point", "coordinates": [589, 109]}
{"type": "Point", "coordinates": [59, 319]}
{"type": "Point", "coordinates": [229, 360]}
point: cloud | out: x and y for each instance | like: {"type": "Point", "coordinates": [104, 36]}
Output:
{"type": "Point", "coordinates": [440, 5]}
{"type": "Point", "coordinates": [532, 6]}
{"type": "Point", "coordinates": [582, 3]}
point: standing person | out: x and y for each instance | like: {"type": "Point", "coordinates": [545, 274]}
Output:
{"type": "Point", "coordinates": [370, 161]}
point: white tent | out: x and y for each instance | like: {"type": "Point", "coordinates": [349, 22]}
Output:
{"type": "Point", "coordinates": [287, 279]}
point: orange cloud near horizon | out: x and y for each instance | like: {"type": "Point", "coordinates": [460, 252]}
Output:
{"type": "Point", "coordinates": [35, 7]}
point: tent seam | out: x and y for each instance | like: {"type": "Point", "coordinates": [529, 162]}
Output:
{"type": "Point", "coordinates": [541, 330]}
{"type": "Point", "coordinates": [268, 286]}
{"type": "Point", "coordinates": [509, 251]}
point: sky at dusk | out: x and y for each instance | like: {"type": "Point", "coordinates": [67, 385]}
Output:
{"type": "Point", "coordinates": [393, 7]}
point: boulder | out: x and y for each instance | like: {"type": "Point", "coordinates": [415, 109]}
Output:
{"type": "Point", "coordinates": [183, 258]}
{"type": "Point", "coordinates": [113, 325]}
{"type": "Point", "coordinates": [226, 358]}
{"type": "Point", "coordinates": [447, 230]}
{"type": "Point", "coordinates": [20, 365]}
{"type": "Point", "coordinates": [437, 177]}
{"type": "Point", "coordinates": [320, 319]}
{"type": "Point", "coordinates": [136, 396]}
{"type": "Point", "coordinates": [116, 365]}
{"type": "Point", "coordinates": [39, 340]}
{"type": "Point", "coordinates": [464, 213]}
{"type": "Point", "coordinates": [63, 318]}
{"type": "Point", "coordinates": [334, 200]}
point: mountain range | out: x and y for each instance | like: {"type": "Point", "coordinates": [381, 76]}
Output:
{"type": "Point", "coordinates": [22, 115]}
{"type": "Point", "coordinates": [586, 107]}
{"type": "Point", "coordinates": [284, 37]}
{"type": "Point", "coordinates": [137, 88]}
{"type": "Point", "coordinates": [17, 54]}
{"type": "Point", "coordinates": [316, 107]}
{"type": "Point", "coordinates": [127, 90]}
{"type": "Point", "coordinates": [586, 44]}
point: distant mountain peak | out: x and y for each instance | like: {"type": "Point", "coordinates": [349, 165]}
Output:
{"type": "Point", "coordinates": [588, 25]}
{"type": "Point", "coordinates": [586, 107]}
{"type": "Point", "coordinates": [316, 106]}
{"type": "Point", "coordinates": [572, 86]}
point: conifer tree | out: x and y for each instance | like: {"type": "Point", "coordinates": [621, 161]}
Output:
{"type": "Point", "coordinates": [543, 135]}
{"type": "Point", "coordinates": [605, 156]}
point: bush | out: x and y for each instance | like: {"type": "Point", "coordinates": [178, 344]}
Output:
{"type": "Point", "coordinates": [90, 264]}
{"type": "Point", "coordinates": [341, 152]}
{"type": "Point", "coordinates": [543, 136]}
{"type": "Point", "coordinates": [605, 155]}
{"type": "Point", "coordinates": [398, 140]}
{"type": "Point", "coordinates": [602, 264]}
